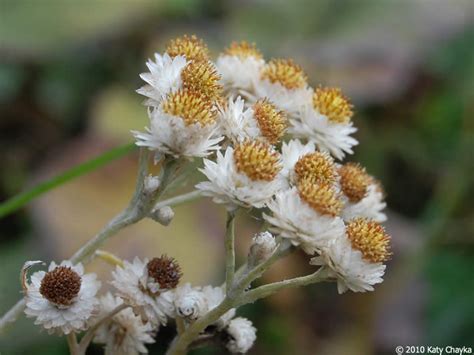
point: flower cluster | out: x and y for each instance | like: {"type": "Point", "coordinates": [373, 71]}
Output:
{"type": "Point", "coordinates": [267, 141]}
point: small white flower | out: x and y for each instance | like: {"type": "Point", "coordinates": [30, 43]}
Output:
{"type": "Point", "coordinates": [190, 302]}
{"type": "Point", "coordinates": [356, 257]}
{"type": "Point", "coordinates": [247, 175]}
{"type": "Point", "coordinates": [214, 297]}
{"type": "Point", "coordinates": [63, 299]}
{"type": "Point", "coordinates": [262, 248]}
{"type": "Point", "coordinates": [291, 152]}
{"type": "Point", "coordinates": [242, 335]}
{"type": "Point", "coordinates": [371, 206]}
{"type": "Point", "coordinates": [237, 122]}
{"type": "Point", "coordinates": [164, 77]}
{"type": "Point", "coordinates": [124, 333]}
{"type": "Point", "coordinates": [185, 124]}
{"type": "Point", "coordinates": [137, 288]}
{"type": "Point", "coordinates": [302, 225]}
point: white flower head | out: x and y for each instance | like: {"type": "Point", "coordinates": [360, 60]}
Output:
{"type": "Point", "coordinates": [262, 248]}
{"type": "Point", "coordinates": [125, 333]}
{"type": "Point", "coordinates": [362, 194]}
{"type": "Point", "coordinates": [239, 65]}
{"type": "Point", "coordinates": [163, 78]}
{"type": "Point", "coordinates": [146, 285]}
{"type": "Point", "coordinates": [285, 84]}
{"type": "Point", "coordinates": [325, 120]}
{"type": "Point", "coordinates": [247, 175]}
{"type": "Point", "coordinates": [214, 296]}
{"type": "Point", "coordinates": [190, 302]}
{"type": "Point", "coordinates": [292, 151]}
{"type": "Point", "coordinates": [242, 335]}
{"type": "Point", "coordinates": [185, 124]}
{"type": "Point", "coordinates": [356, 258]}
{"type": "Point", "coordinates": [306, 215]}
{"type": "Point", "coordinates": [63, 299]}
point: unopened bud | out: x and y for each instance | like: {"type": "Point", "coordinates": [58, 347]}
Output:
{"type": "Point", "coordinates": [190, 303]}
{"type": "Point", "coordinates": [163, 215]}
{"type": "Point", "coordinates": [262, 248]}
{"type": "Point", "coordinates": [151, 184]}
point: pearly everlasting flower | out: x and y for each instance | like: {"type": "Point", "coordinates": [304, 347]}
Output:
{"type": "Point", "coordinates": [190, 47]}
{"type": "Point", "coordinates": [284, 83]}
{"type": "Point", "coordinates": [356, 258]}
{"type": "Point", "coordinates": [307, 215]}
{"type": "Point", "coordinates": [362, 194]}
{"type": "Point", "coordinates": [247, 175]}
{"type": "Point", "coordinates": [242, 335]}
{"type": "Point", "coordinates": [190, 302]}
{"type": "Point", "coordinates": [125, 333]}
{"type": "Point", "coordinates": [260, 121]}
{"type": "Point", "coordinates": [214, 296]}
{"type": "Point", "coordinates": [63, 299]}
{"type": "Point", "coordinates": [239, 65]}
{"type": "Point", "coordinates": [145, 286]}
{"type": "Point", "coordinates": [326, 122]}
{"type": "Point", "coordinates": [185, 124]}
{"type": "Point", "coordinates": [262, 248]}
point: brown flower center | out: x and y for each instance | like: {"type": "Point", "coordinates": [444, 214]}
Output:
{"type": "Point", "coordinates": [285, 72]}
{"type": "Point", "coordinates": [191, 106]}
{"type": "Point", "coordinates": [243, 50]}
{"type": "Point", "coordinates": [370, 238]}
{"type": "Point", "coordinates": [331, 103]}
{"type": "Point", "coordinates": [202, 77]}
{"type": "Point", "coordinates": [354, 181]}
{"type": "Point", "coordinates": [191, 47]}
{"type": "Point", "coordinates": [257, 160]}
{"type": "Point", "coordinates": [61, 286]}
{"type": "Point", "coordinates": [321, 197]}
{"type": "Point", "coordinates": [272, 123]}
{"type": "Point", "coordinates": [165, 271]}
{"type": "Point", "coordinates": [316, 167]}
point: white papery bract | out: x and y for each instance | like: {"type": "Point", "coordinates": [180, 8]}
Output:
{"type": "Point", "coordinates": [228, 186]}
{"type": "Point", "coordinates": [290, 153]}
{"type": "Point", "coordinates": [214, 296]}
{"type": "Point", "coordinates": [348, 266]}
{"type": "Point", "coordinates": [125, 333]}
{"type": "Point", "coordinates": [287, 100]}
{"type": "Point", "coordinates": [237, 122]}
{"type": "Point", "coordinates": [190, 302]}
{"type": "Point", "coordinates": [169, 134]}
{"type": "Point", "coordinates": [332, 137]}
{"type": "Point", "coordinates": [164, 77]}
{"type": "Point", "coordinates": [61, 318]}
{"type": "Point", "coordinates": [238, 73]}
{"type": "Point", "coordinates": [370, 207]}
{"type": "Point", "coordinates": [133, 285]}
{"type": "Point", "coordinates": [295, 220]}
{"type": "Point", "coordinates": [242, 335]}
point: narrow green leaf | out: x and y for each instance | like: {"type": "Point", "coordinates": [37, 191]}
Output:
{"type": "Point", "coordinates": [25, 197]}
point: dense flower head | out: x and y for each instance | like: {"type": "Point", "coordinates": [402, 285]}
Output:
{"type": "Point", "coordinates": [191, 47]}
{"type": "Point", "coordinates": [331, 103]}
{"type": "Point", "coordinates": [61, 285]}
{"type": "Point", "coordinates": [322, 197]}
{"type": "Point", "coordinates": [354, 181]}
{"type": "Point", "coordinates": [257, 160]}
{"type": "Point", "coordinates": [243, 49]}
{"type": "Point", "coordinates": [165, 271]}
{"type": "Point", "coordinates": [271, 121]}
{"type": "Point", "coordinates": [370, 238]}
{"type": "Point", "coordinates": [191, 106]}
{"type": "Point", "coordinates": [316, 167]}
{"type": "Point", "coordinates": [284, 72]}
{"type": "Point", "coordinates": [202, 77]}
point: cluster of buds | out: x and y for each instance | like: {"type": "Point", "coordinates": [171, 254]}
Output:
{"type": "Point", "coordinates": [269, 142]}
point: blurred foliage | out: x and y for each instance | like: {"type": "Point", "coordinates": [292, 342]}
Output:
{"type": "Point", "coordinates": [68, 71]}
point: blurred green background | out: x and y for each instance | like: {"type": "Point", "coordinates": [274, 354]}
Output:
{"type": "Point", "coordinates": [68, 71]}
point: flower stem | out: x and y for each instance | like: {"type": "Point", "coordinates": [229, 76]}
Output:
{"type": "Point", "coordinates": [178, 200]}
{"type": "Point", "coordinates": [229, 251]}
{"type": "Point", "coordinates": [72, 343]}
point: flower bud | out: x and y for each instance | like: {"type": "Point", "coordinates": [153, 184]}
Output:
{"type": "Point", "coordinates": [190, 302]}
{"type": "Point", "coordinates": [242, 335]}
{"type": "Point", "coordinates": [151, 184]}
{"type": "Point", "coordinates": [262, 248]}
{"type": "Point", "coordinates": [163, 215]}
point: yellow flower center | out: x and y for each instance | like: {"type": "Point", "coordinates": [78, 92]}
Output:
{"type": "Point", "coordinates": [202, 77]}
{"type": "Point", "coordinates": [331, 103]}
{"type": "Point", "coordinates": [354, 181]}
{"type": "Point", "coordinates": [191, 47]}
{"type": "Point", "coordinates": [321, 197]}
{"type": "Point", "coordinates": [316, 167]}
{"type": "Point", "coordinates": [272, 123]}
{"type": "Point", "coordinates": [257, 160]}
{"type": "Point", "coordinates": [243, 50]}
{"type": "Point", "coordinates": [370, 239]}
{"type": "Point", "coordinates": [191, 106]}
{"type": "Point", "coordinates": [285, 72]}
